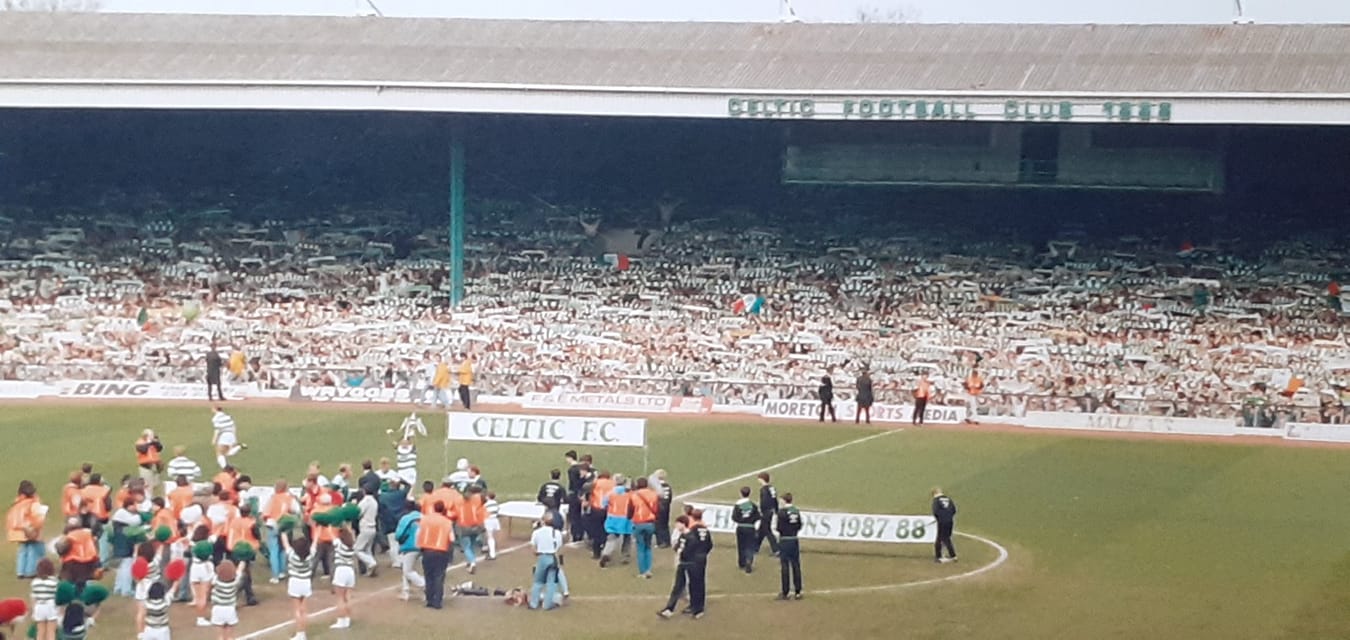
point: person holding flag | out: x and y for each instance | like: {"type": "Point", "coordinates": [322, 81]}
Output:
{"type": "Point", "coordinates": [749, 303]}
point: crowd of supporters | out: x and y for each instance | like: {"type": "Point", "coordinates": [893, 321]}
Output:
{"type": "Point", "coordinates": [699, 306]}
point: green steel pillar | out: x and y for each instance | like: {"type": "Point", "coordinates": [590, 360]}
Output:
{"type": "Point", "coordinates": [456, 216]}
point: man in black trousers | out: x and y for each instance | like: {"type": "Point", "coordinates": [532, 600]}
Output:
{"type": "Point", "coordinates": [789, 553]}
{"type": "Point", "coordinates": [574, 483]}
{"type": "Point", "coordinates": [683, 559]}
{"type": "Point", "coordinates": [745, 513]}
{"type": "Point", "coordinates": [944, 510]}
{"type": "Point", "coordinates": [213, 374]}
{"type": "Point", "coordinates": [702, 541]}
{"type": "Point", "coordinates": [666, 495]}
{"type": "Point", "coordinates": [768, 508]}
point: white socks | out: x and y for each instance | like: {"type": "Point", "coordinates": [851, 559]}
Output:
{"type": "Point", "coordinates": [233, 450]}
{"type": "Point", "coordinates": [220, 460]}
{"type": "Point", "coordinates": [492, 547]}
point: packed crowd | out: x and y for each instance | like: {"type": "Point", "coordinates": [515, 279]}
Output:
{"type": "Point", "coordinates": [555, 301]}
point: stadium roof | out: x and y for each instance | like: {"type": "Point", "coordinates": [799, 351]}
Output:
{"type": "Point", "coordinates": [104, 50]}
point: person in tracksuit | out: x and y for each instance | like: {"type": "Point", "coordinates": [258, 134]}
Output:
{"type": "Point", "coordinates": [745, 513]}
{"type": "Point", "coordinates": [768, 508]}
{"type": "Point", "coordinates": [944, 510]}
{"type": "Point", "coordinates": [683, 560]}
{"type": "Point", "coordinates": [789, 553]}
{"type": "Point", "coordinates": [702, 543]}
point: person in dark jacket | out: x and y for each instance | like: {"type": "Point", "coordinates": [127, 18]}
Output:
{"type": "Point", "coordinates": [213, 364]}
{"type": "Point", "coordinates": [574, 483]}
{"type": "Point", "coordinates": [864, 397]}
{"type": "Point", "coordinates": [944, 510]}
{"type": "Point", "coordinates": [826, 393]}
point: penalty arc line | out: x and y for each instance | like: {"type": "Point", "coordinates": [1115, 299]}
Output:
{"type": "Point", "coordinates": [704, 489]}
{"type": "Point", "coordinates": [996, 563]}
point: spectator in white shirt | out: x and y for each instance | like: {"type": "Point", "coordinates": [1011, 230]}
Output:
{"type": "Point", "coordinates": [548, 545]}
{"type": "Point", "coordinates": [366, 531]}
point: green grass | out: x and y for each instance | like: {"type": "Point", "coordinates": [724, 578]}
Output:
{"type": "Point", "coordinates": [1108, 538]}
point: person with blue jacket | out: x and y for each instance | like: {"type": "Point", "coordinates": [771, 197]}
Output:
{"type": "Point", "coordinates": [409, 555]}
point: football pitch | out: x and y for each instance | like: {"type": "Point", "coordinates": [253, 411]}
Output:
{"type": "Point", "coordinates": [1104, 537]}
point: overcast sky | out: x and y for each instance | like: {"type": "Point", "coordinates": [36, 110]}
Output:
{"type": "Point", "coordinates": [1102, 11]}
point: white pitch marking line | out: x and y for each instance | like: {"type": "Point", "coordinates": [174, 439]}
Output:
{"type": "Point", "coordinates": [807, 456]}
{"type": "Point", "coordinates": [996, 563]}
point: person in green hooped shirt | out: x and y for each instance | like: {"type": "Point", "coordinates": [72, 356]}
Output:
{"type": "Point", "coordinates": [1253, 407]}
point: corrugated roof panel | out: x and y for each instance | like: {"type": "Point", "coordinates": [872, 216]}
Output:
{"type": "Point", "coordinates": [862, 58]}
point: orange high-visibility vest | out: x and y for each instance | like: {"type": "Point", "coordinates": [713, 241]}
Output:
{"type": "Point", "coordinates": [452, 499]}
{"type": "Point", "coordinates": [923, 390]}
{"type": "Point", "coordinates": [974, 384]}
{"type": "Point", "coordinates": [646, 502]}
{"type": "Point", "coordinates": [473, 513]}
{"type": "Point", "coordinates": [150, 457]}
{"type": "Point", "coordinates": [82, 547]}
{"type": "Point", "coordinates": [165, 518]}
{"type": "Point", "coordinates": [435, 533]}
{"type": "Point", "coordinates": [324, 533]}
{"type": "Point", "coordinates": [618, 504]}
{"type": "Point", "coordinates": [70, 500]}
{"type": "Point", "coordinates": [120, 497]}
{"type": "Point", "coordinates": [599, 490]}
{"type": "Point", "coordinates": [240, 530]}
{"type": "Point", "coordinates": [94, 497]}
{"type": "Point", "coordinates": [281, 504]}
{"type": "Point", "coordinates": [180, 498]}
{"type": "Point", "coordinates": [225, 480]}
{"type": "Point", "coordinates": [21, 518]}
{"type": "Point", "coordinates": [427, 502]}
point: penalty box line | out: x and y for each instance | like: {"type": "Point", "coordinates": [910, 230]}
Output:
{"type": "Point", "coordinates": [261, 633]}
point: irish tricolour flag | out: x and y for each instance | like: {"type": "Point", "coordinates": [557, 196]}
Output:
{"type": "Point", "coordinates": [748, 303]}
{"type": "Point", "coordinates": [616, 260]}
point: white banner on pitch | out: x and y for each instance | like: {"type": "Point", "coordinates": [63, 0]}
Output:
{"type": "Point", "coordinates": [502, 427]}
{"type": "Point", "coordinates": [850, 527]}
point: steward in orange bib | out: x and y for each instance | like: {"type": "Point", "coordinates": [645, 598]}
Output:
{"type": "Point", "coordinates": [434, 536]}
{"type": "Point", "coordinates": [96, 504]}
{"type": "Point", "coordinates": [163, 517]}
{"type": "Point", "coordinates": [646, 503]}
{"type": "Point", "coordinates": [148, 448]}
{"type": "Point", "coordinates": [600, 489]}
{"type": "Point", "coordinates": [244, 528]}
{"type": "Point", "coordinates": [618, 522]}
{"type": "Point", "coordinates": [280, 505]}
{"type": "Point", "coordinates": [72, 496]}
{"type": "Point", "coordinates": [79, 555]}
{"type": "Point", "coordinates": [469, 527]}
{"type": "Point", "coordinates": [23, 525]}
{"type": "Point", "coordinates": [181, 497]}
